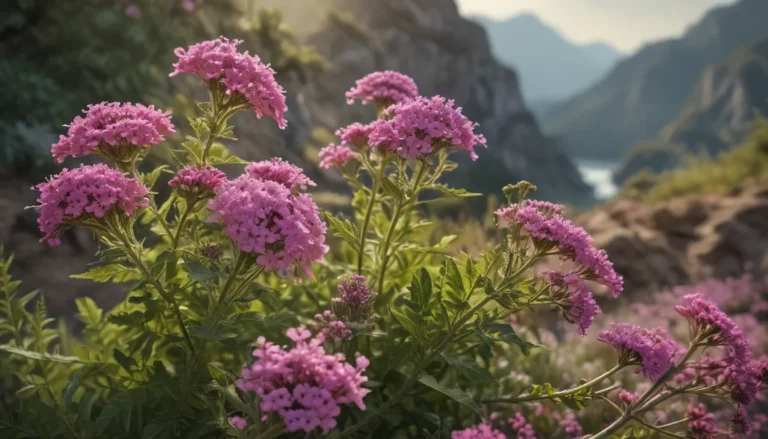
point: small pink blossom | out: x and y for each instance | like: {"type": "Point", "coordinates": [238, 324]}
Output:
{"type": "Point", "coordinates": [335, 155]}
{"type": "Point", "coordinates": [575, 300]}
{"type": "Point", "coordinates": [355, 135]}
{"type": "Point", "coordinates": [238, 422]}
{"type": "Point", "coordinates": [280, 171]}
{"type": "Point", "coordinates": [651, 349]}
{"type": "Point", "coordinates": [627, 397]}
{"type": "Point", "coordinates": [383, 88]}
{"type": "Point", "coordinates": [480, 431]}
{"type": "Point", "coordinates": [196, 182]}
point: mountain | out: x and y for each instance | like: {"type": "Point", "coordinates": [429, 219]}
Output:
{"type": "Point", "coordinates": [715, 118]}
{"type": "Point", "coordinates": [446, 54]}
{"type": "Point", "coordinates": [550, 66]}
{"type": "Point", "coordinates": [646, 91]}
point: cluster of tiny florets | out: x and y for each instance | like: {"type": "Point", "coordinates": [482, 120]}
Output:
{"type": "Point", "coordinates": [651, 349]}
{"type": "Point", "coordinates": [627, 397]}
{"type": "Point", "coordinates": [355, 301]}
{"type": "Point", "coordinates": [548, 227]}
{"type": "Point", "coordinates": [335, 155]}
{"type": "Point", "coordinates": [111, 125]}
{"type": "Point", "coordinates": [327, 324]}
{"type": "Point", "coordinates": [86, 192]}
{"type": "Point", "coordinates": [304, 385]}
{"type": "Point", "coordinates": [197, 182]}
{"type": "Point", "coordinates": [417, 127]}
{"type": "Point", "coordinates": [480, 431]}
{"type": "Point", "coordinates": [242, 74]}
{"type": "Point", "coordinates": [701, 424]}
{"type": "Point", "coordinates": [520, 427]}
{"type": "Point", "coordinates": [572, 295]}
{"type": "Point", "coordinates": [355, 135]}
{"type": "Point", "coordinates": [238, 422]}
{"type": "Point", "coordinates": [265, 218]}
{"type": "Point", "coordinates": [280, 171]}
{"type": "Point", "coordinates": [383, 88]}
{"type": "Point", "coordinates": [571, 426]}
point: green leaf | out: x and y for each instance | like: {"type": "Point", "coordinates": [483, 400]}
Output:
{"type": "Point", "coordinates": [255, 291]}
{"type": "Point", "coordinates": [206, 334]}
{"type": "Point", "coordinates": [151, 178]}
{"type": "Point", "coordinates": [344, 230]}
{"type": "Point", "coordinates": [453, 277]}
{"type": "Point", "coordinates": [452, 192]}
{"type": "Point", "coordinates": [123, 360]}
{"type": "Point", "coordinates": [74, 383]}
{"type": "Point", "coordinates": [421, 289]}
{"type": "Point", "coordinates": [391, 188]}
{"type": "Point", "coordinates": [407, 321]}
{"type": "Point", "coordinates": [112, 272]}
{"type": "Point", "coordinates": [118, 410]}
{"type": "Point", "coordinates": [469, 368]}
{"type": "Point", "coordinates": [153, 431]}
{"type": "Point", "coordinates": [200, 272]}
{"type": "Point", "coordinates": [26, 391]}
{"type": "Point", "coordinates": [505, 333]}
{"type": "Point", "coordinates": [39, 356]}
{"type": "Point", "coordinates": [455, 393]}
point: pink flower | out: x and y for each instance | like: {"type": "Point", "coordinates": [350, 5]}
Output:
{"type": "Point", "coordinates": [383, 88]}
{"type": "Point", "coordinates": [280, 171]}
{"type": "Point", "coordinates": [197, 182]}
{"type": "Point", "coordinates": [354, 303]}
{"type": "Point", "coordinates": [628, 397]}
{"type": "Point", "coordinates": [701, 425]}
{"type": "Point", "coordinates": [331, 327]}
{"type": "Point", "coordinates": [86, 193]}
{"type": "Point", "coordinates": [117, 131]}
{"type": "Point", "coordinates": [417, 127]}
{"type": "Point", "coordinates": [304, 385]}
{"type": "Point", "coordinates": [651, 349]}
{"type": "Point", "coordinates": [265, 218]}
{"type": "Point", "coordinates": [481, 431]}
{"type": "Point", "coordinates": [574, 299]}
{"type": "Point", "coordinates": [334, 155]}
{"type": "Point", "coordinates": [189, 6]}
{"type": "Point", "coordinates": [132, 11]}
{"type": "Point", "coordinates": [238, 422]}
{"type": "Point", "coordinates": [243, 75]}
{"type": "Point", "coordinates": [355, 135]}
{"type": "Point", "coordinates": [548, 228]}
{"type": "Point", "coordinates": [571, 426]}
{"type": "Point", "coordinates": [520, 427]}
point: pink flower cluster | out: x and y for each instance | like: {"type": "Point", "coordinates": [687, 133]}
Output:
{"type": "Point", "coordinates": [304, 385]}
{"type": "Point", "coordinates": [332, 328]}
{"type": "Point", "coordinates": [627, 397]}
{"type": "Point", "coordinates": [417, 127]}
{"type": "Point", "coordinates": [264, 217]}
{"type": "Point", "coordinates": [86, 192]}
{"type": "Point", "coordinates": [108, 126]}
{"type": "Point", "coordinates": [335, 155]}
{"type": "Point", "coordinates": [238, 423]}
{"type": "Point", "coordinates": [571, 426]}
{"type": "Point", "coordinates": [354, 291]}
{"type": "Point", "coordinates": [242, 74]}
{"type": "Point", "coordinates": [481, 431]}
{"type": "Point", "coordinates": [548, 227]}
{"type": "Point", "coordinates": [521, 429]}
{"type": "Point", "coordinates": [701, 425]}
{"type": "Point", "coordinates": [383, 88]}
{"type": "Point", "coordinates": [195, 182]}
{"type": "Point", "coordinates": [651, 349]}
{"type": "Point", "coordinates": [355, 135]}
{"type": "Point", "coordinates": [573, 297]}
{"type": "Point", "coordinates": [280, 171]}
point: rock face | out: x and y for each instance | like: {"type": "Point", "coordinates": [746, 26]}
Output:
{"type": "Point", "coordinates": [646, 91]}
{"type": "Point", "coordinates": [446, 54]}
{"type": "Point", "coordinates": [685, 240]}
{"type": "Point", "coordinates": [726, 99]}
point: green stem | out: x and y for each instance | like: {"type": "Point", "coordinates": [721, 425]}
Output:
{"type": "Point", "coordinates": [659, 429]}
{"type": "Point", "coordinates": [232, 276]}
{"type": "Point", "coordinates": [562, 393]}
{"type": "Point", "coordinates": [368, 212]}
{"type": "Point", "coordinates": [179, 227]}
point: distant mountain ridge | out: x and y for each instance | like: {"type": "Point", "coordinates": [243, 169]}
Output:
{"type": "Point", "coordinates": [646, 91]}
{"type": "Point", "coordinates": [726, 99]}
{"type": "Point", "coordinates": [551, 68]}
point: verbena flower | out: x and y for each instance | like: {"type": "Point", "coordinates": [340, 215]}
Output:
{"type": "Point", "coordinates": [238, 422]}
{"type": "Point", "coordinates": [304, 385]}
{"type": "Point", "coordinates": [548, 228]}
{"type": "Point", "coordinates": [383, 88]}
{"type": "Point", "coordinates": [355, 135]}
{"type": "Point", "coordinates": [327, 324]}
{"type": "Point", "coordinates": [571, 294]}
{"type": "Point", "coordinates": [355, 301]}
{"type": "Point", "coordinates": [651, 349]}
{"type": "Point", "coordinates": [118, 131]}
{"type": "Point", "coordinates": [480, 431]}
{"type": "Point", "coordinates": [241, 74]}
{"type": "Point", "coordinates": [701, 425]}
{"type": "Point", "coordinates": [521, 429]}
{"type": "Point", "coordinates": [417, 127]}
{"type": "Point", "coordinates": [195, 182]}
{"type": "Point", "coordinates": [265, 218]}
{"type": "Point", "coordinates": [84, 195]}
{"type": "Point", "coordinates": [571, 426]}
{"type": "Point", "coordinates": [335, 155]}
{"type": "Point", "coordinates": [628, 397]}
{"type": "Point", "coordinates": [280, 171]}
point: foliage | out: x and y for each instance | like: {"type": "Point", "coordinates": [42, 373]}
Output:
{"type": "Point", "coordinates": [437, 340]}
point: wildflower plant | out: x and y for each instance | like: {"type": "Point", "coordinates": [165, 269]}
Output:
{"type": "Point", "coordinates": [253, 314]}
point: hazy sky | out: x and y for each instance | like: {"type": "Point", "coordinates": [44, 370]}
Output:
{"type": "Point", "coordinates": [625, 24]}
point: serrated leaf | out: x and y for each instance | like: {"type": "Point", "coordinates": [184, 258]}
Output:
{"type": "Point", "coordinates": [123, 360]}
{"type": "Point", "coordinates": [117, 410]}
{"type": "Point", "coordinates": [151, 178]}
{"type": "Point", "coordinates": [407, 321]}
{"type": "Point", "coordinates": [469, 368]}
{"type": "Point", "coordinates": [421, 289]}
{"type": "Point", "coordinates": [455, 393]}
{"type": "Point", "coordinates": [391, 188]}
{"type": "Point", "coordinates": [26, 391]}
{"type": "Point", "coordinates": [255, 291]}
{"type": "Point", "coordinates": [453, 192]}
{"type": "Point", "coordinates": [153, 431]}
{"type": "Point", "coordinates": [200, 272]}
{"type": "Point", "coordinates": [39, 356]}
{"type": "Point", "coordinates": [74, 383]}
{"type": "Point", "coordinates": [505, 333]}
{"type": "Point", "coordinates": [206, 334]}
{"type": "Point", "coordinates": [454, 279]}
{"type": "Point", "coordinates": [112, 272]}
{"type": "Point", "coordinates": [344, 230]}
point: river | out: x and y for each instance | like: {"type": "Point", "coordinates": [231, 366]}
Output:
{"type": "Point", "coordinates": [597, 173]}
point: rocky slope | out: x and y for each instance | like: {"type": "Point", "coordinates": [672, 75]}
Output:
{"type": "Point", "coordinates": [646, 91]}
{"type": "Point", "coordinates": [715, 118]}
{"type": "Point", "coordinates": [684, 240]}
